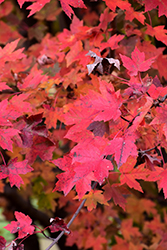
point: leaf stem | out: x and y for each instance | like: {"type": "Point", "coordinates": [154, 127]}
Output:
{"type": "Point", "coordinates": [3, 158]}
{"type": "Point", "coordinates": [120, 78]}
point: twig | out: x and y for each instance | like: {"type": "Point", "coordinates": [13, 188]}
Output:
{"type": "Point", "coordinates": [69, 223]}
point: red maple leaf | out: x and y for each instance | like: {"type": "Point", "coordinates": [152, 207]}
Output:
{"type": "Point", "coordinates": [12, 171]}
{"type": "Point", "coordinates": [69, 178]}
{"type": "Point", "coordinates": [160, 118]}
{"type": "Point", "coordinates": [6, 136]}
{"type": "Point", "coordinates": [112, 42]}
{"type": "Point", "coordinates": [90, 153]}
{"type": "Point", "coordinates": [31, 127]}
{"type": "Point", "coordinates": [74, 3]}
{"type": "Point", "coordinates": [162, 182]}
{"type": "Point", "coordinates": [137, 63]}
{"type": "Point", "coordinates": [95, 242]}
{"type": "Point", "coordinates": [33, 80]}
{"type": "Point", "coordinates": [8, 113]}
{"type": "Point", "coordinates": [122, 147]}
{"type": "Point", "coordinates": [117, 3]}
{"type": "Point", "coordinates": [8, 53]}
{"type": "Point", "coordinates": [105, 105]}
{"type": "Point", "coordinates": [162, 4]}
{"type": "Point", "coordinates": [115, 192]}
{"type": "Point", "coordinates": [159, 32]}
{"type": "Point", "coordinates": [42, 147]}
{"type": "Point", "coordinates": [36, 6]}
{"type": "Point", "coordinates": [22, 225]}
{"type": "Point", "coordinates": [58, 224]}
{"type": "Point", "coordinates": [129, 174]}
{"type": "Point", "coordinates": [2, 243]}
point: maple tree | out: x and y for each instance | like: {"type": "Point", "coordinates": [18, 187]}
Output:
{"type": "Point", "coordinates": [83, 123]}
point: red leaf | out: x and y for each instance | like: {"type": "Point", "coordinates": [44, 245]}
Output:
{"type": "Point", "coordinates": [160, 118]}
{"type": "Point", "coordinates": [32, 80]}
{"type": "Point", "coordinates": [116, 192]}
{"type": "Point", "coordinates": [11, 110]}
{"type": "Point", "coordinates": [70, 178]}
{"type": "Point", "coordinates": [137, 63]}
{"type": "Point", "coordinates": [112, 42]}
{"type": "Point", "coordinates": [5, 138]}
{"type": "Point", "coordinates": [2, 243]}
{"type": "Point", "coordinates": [12, 171]}
{"type": "Point", "coordinates": [162, 4]}
{"type": "Point", "coordinates": [159, 32]}
{"type": "Point", "coordinates": [90, 153]}
{"type": "Point", "coordinates": [117, 3]}
{"type": "Point", "coordinates": [8, 53]}
{"type": "Point", "coordinates": [42, 147]}
{"type": "Point", "coordinates": [22, 225]}
{"type": "Point", "coordinates": [129, 174]}
{"type": "Point", "coordinates": [122, 148]}
{"type": "Point", "coordinates": [32, 128]}
{"type": "Point", "coordinates": [74, 3]}
{"type": "Point", "coordinates": [58, 224]}
{"type": "Point", "coordinates": [95, 242]}
{"type": "Point", "coordinates": [37, 6]}
{"type": "Point", "coordinates": [162, 183]}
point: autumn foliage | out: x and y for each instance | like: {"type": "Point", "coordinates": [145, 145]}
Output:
{"type": "Point", "coordinates": [83, 118]}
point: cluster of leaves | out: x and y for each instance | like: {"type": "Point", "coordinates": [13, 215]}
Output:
{"type": "Point", "coordinates": [87, 105]}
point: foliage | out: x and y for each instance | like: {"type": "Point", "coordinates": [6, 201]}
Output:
{"type": "Point", "coordinates": [83, 116]}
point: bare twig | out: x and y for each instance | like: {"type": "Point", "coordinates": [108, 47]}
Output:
{"type": "Point", "coordinates": [69, 223]}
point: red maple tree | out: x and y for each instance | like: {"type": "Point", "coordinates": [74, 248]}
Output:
{"type": "Point", "coordinates": [83, 116]}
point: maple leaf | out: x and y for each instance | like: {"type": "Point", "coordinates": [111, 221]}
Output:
{"type": "Point", "coordinates": [98, 62]}
{"type": "Point", "coordinates": [32, 80]}
{"type": "Point", "coordinates": [117, 3]}
{"type": "Point", "coordinates": [122, 147]}
{"type": "Point", "coordinates": [58, 224]}
{"type": "Point", "coordinates": [106, 18]}
{"type": "Point", "coordinates": [91, 153]}
{"type": "Point", "coordinates": [116, 193]}
{"type": "Point", "coordinates": [162, 4]}
{"type": "Point", "coordinates": [94, 197]}
{"type": "Point", "coordinates": [160, 118]}
{"type": "Point", "coordinates": [162, 182]}
{"type": "Point", "coordinates": [129, 174]}
{"type": "Point", "coordinates": [42, 147]}
{"type": "Point", "coordinates": [30, 129]}
{"type": "Point", "coordinates": [18, 105]}
{"type": "Point", "coordinates": [137, 63]}
{"type": "Point", "coordinates": [74, 3]}
{"type": "Point", "coordinates": [8, 53]}
{"type": "Point", "coordinates": [112, 43]}
{"type": "Point", "coordinates": [159, 32]}
{"type": "Point", "coordinates": [22, 225]}
{"type": "Point", "coordinates": [37, 6]}
{"type": "Point", "coordinates": [5, 138]}
{"type": "Point", "coordinates": [2, 243]}
{"type": "Point", "coordinates": [95, 243]}
{"type": "Point", "coordinates": [130, 14]}
{"type": "Point", "coordinates": [69, 178]}
{"type": "Point", "coordinates": [105, 105]}
{"type": "Point", "coordinates": [12, 171]}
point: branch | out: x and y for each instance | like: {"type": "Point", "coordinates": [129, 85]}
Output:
{"type": "Point", "coordinates": [69, 223]}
